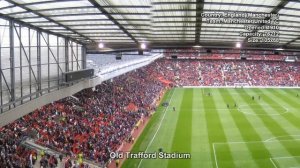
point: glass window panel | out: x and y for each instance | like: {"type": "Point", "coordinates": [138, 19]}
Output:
{"type": "Point", "coordinates": [33, 1]}
{"type": "Point", "coordinates": [16, 36]}
{"type": "Point", "coordinates": [35, 20]}
{"type": "Point", "coordinates": [5, 58]}
{"type": "Point", "coordinates": [4, 36]}
{"type": "Point", "coordinates": [94, 27]}
{"type": "Point", "coordinates": [24, 36]}
{"type": "Point", "coordinates": [59, 4]}
{"type": "Point", "coordinates": [133, 22]}
{"type": "Point", "coordinates": [288, 18]}
{"type": "Point", "coordinates": [83, 17]}
{"type": "Point", "coordinates": [112, 38]}
{"type": "Point", "coordinates": [44, 56]}
{"type": "Point", "coordinates": [83, 22]}
{"type": "Point", "coordinates": [180, 19]}
{"type": "Point", "coordinates": [4, 4]}
{"type": "Point", "coordinates": [219, 39]}
{"type": "Point", "coordinates": [12, 10]}
{"type": "Point", "coordinates": [128, 10]}
{"type": "Point", "coordinates": [66, 11]}
{"type": "Point", "coordinates": [293, 5]}
{"type": "Point", "coordinates": [286, 32]}
{"type": "Point", "coordinates": [33, 37]}
{"type": "Point", "coordinates": [17, 83]}
{"type": "Point", "coordinates": [221, 33]}
{"type": "Point", "coordinates": [105, 35]}
{"type": "Point", "coordinates": [265, 2]}
{"type": "Point", "coordinates": [25, 52]}
{"type": "Point", "coordinates": [100, 31]}
{"type": "Point", "coordinates": [52, 40]}
{"type": "Point", "coordinates": [61, 42]}
{"type": "Point", "coordinates": [24, 15]}
{"type": "Point", "coordinates": [4, 22]}
{"type": "Point", "coordinates": [237, 8]}
{"type": "Point", "coordinates": [44, 40]}
{"type": "Point", "coordinates": [141, 16]}
{"type": "Point", "coordinates": [47, 24]}
{"type": "Point", "coordinates": [288, 12]}
{"type": "Point", "coordinates": [128, 2]}
{"type": "Point", "coordinates": [61, 31]}
{"type": "Point", "coordinates": [289, 23]}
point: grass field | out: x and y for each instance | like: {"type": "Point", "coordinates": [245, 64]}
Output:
{"type": "Point", "coordinates": [261, 133]}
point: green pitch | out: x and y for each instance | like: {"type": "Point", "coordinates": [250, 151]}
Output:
{"type": "Point", "coordinates": [261, 133]}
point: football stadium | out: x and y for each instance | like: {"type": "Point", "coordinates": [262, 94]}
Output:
{"type": "Point", "coordinates": [149, 83]}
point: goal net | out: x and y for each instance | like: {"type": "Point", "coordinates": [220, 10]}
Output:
{"type": "Point", "coordinates": [241, 85]}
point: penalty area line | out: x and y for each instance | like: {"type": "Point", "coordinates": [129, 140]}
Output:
{"type": "Point", "coordinates": [160, 123]}
{"type": "Point", "coordinates": [216, 161]}
{"type": "Point", "coordinates": [283, 136]}
{"type": "Point", "coordinates": [274, 164]}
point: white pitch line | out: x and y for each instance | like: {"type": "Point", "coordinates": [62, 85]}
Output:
{"type": "Point", "coordinates": [276, 138]}
{"type": "Point", "coordinates": [285, 157]}
{"type": "Point", "coordinates": [208, 109]}
{"type": "Point", "coordinates": [253, 114]}
{"type": "Point", "coordinates": [160, 123]}
{"type": "Point", "coordinates": [264, 106]}
{"type": "Point", "coordinates": [273, 163]}
{"type": "Point", "coordinates": [271, 159]}
{"type": "Point", "coordinates": [216, 161]}
{"type": "Point", "coordinates": [243, 142]}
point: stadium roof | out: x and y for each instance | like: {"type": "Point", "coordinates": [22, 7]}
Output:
{"type": "Point", "coordinates": [161, 23]}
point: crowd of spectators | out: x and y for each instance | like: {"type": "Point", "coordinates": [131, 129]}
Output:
{"type": "Point", "coordinates": [92, 123]}
{"type": "Point", "coordinates": [273, 73]}
{"type": "Point", "coordinates": [194, 72]}
{"type": "Point", "coordinates": [12, 154]}
{"type": "Point", "coordinates": [211, 74]}
{"type": "Point", "coordinates": [180, 73]}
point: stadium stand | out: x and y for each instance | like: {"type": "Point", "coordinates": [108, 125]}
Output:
{"type": "Point", "coordinates": [109, 113]}
{"type": "Point", "coordinates": [95, 122]}
{"type": "Point", "coordinates": [93, 125]}
{"type": "Point", "coordinates": [137, 49]}
{"type": "Point", "coordinates": [190, 72]}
